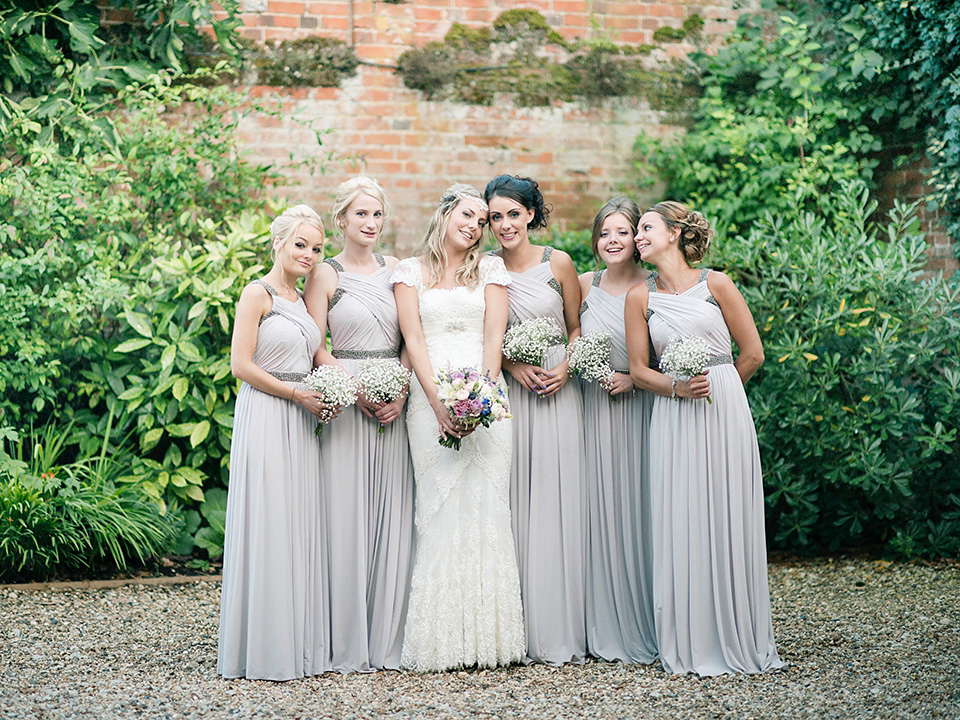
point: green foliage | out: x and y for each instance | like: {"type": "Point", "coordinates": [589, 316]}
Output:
{"type": "Point", "coordinates": [310, 61]}
{"type": "Point", "coordinates": [776, 127]}
{"type": "Point", "coordinates": [914, 46]}
{"type": "Point", "coordinates": [80, 516]}
{"type": "Point", "coordinates": [59, 66]}
{"type": "Point", "coordinates": [576, 244]}
{"type": "Point", "coordinates": [169, 368]}
{"type": "Point", "coordinates": [858, 401]}
{"type": "Point", "coordinates": [211, 537]}
{"type": "Point", "coordinates": [666, 34]}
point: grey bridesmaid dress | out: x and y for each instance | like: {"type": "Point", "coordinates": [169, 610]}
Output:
{"type": "Point", "coordinates": [546, 489]}
{"type": "Point", "coordinates": [274, 622]}
{"type": "Point", "coordinates": [619, 563]}
{"type": "Point", "coordinates": [368, 488]}
{"type": "Point", "coordinates": [711, 599]}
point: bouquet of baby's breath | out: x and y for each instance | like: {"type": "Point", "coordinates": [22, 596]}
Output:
{"type": "Point", "coordinates": [685, 357]}
{"type": "Point", "coordinates": [590, 357]}
{"type": "Point", "coordinates": [383, 381]}
{"type": "Point", "coordinates": [336, 386]}
{"type": "Point", "coordinates": [529, 339]}
{"type": "Point", "coordinates": [471, 399]}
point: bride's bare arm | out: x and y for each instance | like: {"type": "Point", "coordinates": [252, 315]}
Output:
{"type": "Point", "coordinates": [408, 313]}
{"type": "Point", "coordinates": [494, 326]}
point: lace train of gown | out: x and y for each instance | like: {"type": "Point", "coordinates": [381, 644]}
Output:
{"type": "Point", "coordinates": [464, 605]}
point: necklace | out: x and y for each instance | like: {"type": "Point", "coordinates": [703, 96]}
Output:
{"type": "Point", "coordinates": [660, 286]}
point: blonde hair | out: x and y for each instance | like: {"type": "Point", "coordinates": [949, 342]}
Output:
{"type": "Point", "coordinates": [289, 221]}
{"type": "Point", "coordinates": [695, 231]}
{"type": "Point", "coordinates": [431, 248]}
{"type": "Point", "coordinates": [350, 190]}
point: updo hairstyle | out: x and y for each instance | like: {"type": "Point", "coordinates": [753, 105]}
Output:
{"type": "Point", "coordinates": [626, 207]}
{"type": "Point", "coordinates": [350, 190]}
{"type": "Point", "coordinates": [695, 231]}
{"type": "Point", "coordinates": [522, 190]}
{"type": "Point", "coordinates": [431, 247]}
{"type": "Point", "coordinates": [286, 224]}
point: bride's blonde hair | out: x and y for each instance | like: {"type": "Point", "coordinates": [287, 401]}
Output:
{"type": "Point", "coordinates": [431, 249]}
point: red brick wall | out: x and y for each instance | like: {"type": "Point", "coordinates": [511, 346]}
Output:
{"type": "Point", "coordinates": [580, 154]}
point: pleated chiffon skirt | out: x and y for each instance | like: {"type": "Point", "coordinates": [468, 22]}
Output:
{"type": "Point", "coordinates": [274, 621]}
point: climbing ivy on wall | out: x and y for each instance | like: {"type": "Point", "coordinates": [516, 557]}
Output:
{"type": "Point", "coordinates": [521, 54]}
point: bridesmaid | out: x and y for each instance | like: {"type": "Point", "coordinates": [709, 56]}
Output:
{"type": "Point", "coordinates": [369, 477]}
{"type": "Point", "coordinates": [619, 563]}
{"type": "Point", "coordinates": [711, 600]}
{"type": "Point", "coordinates": [274, 622]}
{"type": "Point", "coordinates": [546, 494]}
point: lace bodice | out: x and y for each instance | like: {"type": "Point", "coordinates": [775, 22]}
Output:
{"type": "Point", "coordinates": [452, 319]}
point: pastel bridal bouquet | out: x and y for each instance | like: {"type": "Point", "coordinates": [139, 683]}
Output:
{"type": "Point", "coordinates": [590, 357]}
{"type": "Point", "coordinates": [383, 380]}
{"type": "Point", "coordinates": [685, 357]}
{"type": "Point", "coordinates": [529, 339]}
{"type": "Point", "coordinates": [471, 398]}
{"type": "Point", "coordinates": [336, 386]}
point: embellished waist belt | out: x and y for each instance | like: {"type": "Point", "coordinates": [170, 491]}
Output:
{"type": "Point", "coordinates": [719, 360]}
{"type": "Point", "coordinates": [366, 354]}
{"type": "Point", "coordinates": [289, 376]}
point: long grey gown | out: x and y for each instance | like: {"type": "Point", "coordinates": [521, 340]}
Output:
{"type": "Point", "coordinates": [368, 488]}
{"type": "Point", "coordinates": [619, 564]}
{"type": "Point", "coordinates": [711, 598]}
{"type": "Point", "coordinates": [465, 590]}
{"type": "Point", "coordinates": [546, 489]}
{"type": "Point", "coordinates": [274, 623]}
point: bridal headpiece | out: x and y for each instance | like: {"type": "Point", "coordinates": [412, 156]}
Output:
{"type": "Point", "coordinates": [462, 191]}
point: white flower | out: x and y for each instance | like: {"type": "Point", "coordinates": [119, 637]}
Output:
{"type": "Point", "coordinates": [684, 357]}
{"type": "Point", "coordinates": [529, 339]}
{"type": "Point", "coordinates": [334, 383]}
{"type": "Point", "coordinates": [383, 380]}
{"type": "Point", "coordinates": [590, 357]}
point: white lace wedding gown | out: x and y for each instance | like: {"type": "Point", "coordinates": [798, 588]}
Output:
{"type": "Point", "coordinates": [464, 608]}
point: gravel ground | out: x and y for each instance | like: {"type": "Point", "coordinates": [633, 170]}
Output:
{"type": "Point", "coordinates": [864, 638]}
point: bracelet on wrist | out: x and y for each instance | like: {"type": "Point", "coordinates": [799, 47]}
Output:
{"type": "Point", "coordinates": [673, 388]}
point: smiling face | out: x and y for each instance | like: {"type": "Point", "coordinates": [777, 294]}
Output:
{"type": "Point", "coordinates": [300, 252]}
{"type": "Point", "coordinates": [615, 241]}
{"type": "Point", "coordinates": [362, 221]}
{"type": "Point", "coordinates": [509, 220]}
{"type": "Point", "coordinates": [653, 237]}
{"type": "Point", "coordinates": [465, 226]}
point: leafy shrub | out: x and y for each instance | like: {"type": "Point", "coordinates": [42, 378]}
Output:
{"type": "Point", "coordinates": [576, 244]}
{"type": "Point", "coordinates": [81, 516]}
{"type": "Point", "coordinates": [858, 403]}
{"type": "Point", "coordinates": [775, 129]}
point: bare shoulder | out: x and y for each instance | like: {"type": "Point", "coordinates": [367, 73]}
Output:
{"type": "Point", "coordinates": [586, 282]}
{"type": "Point", "coordinates": [390, 262]}
{"type": "Point", "coordinates": [721, 285]}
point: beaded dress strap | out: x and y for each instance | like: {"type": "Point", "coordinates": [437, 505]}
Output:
{"type": "Point", "coordinates": [651, 289]}
{"type": "Point", "coordinates": [547, 252]}
{"type": "Point", "coordinates": [380, 260]}
{"type": "Point", "coordinates": [703, 276]}
{"type": "Point", "coordinates": [273, 293]}
{"type": "Point", "coordinates": [268, 286]}
{"type": "Point", "coordinates": [334, 264]}
{"type": "Point", "coordinates": [596, 278]}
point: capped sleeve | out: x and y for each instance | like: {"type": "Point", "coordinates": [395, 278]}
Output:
{"type": "Point", "coordinates": [409, 273]}
{"type": "Point", "coordinates": [493, 271]}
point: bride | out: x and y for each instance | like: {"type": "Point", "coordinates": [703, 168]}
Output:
{"type": "Point", "coordinates": [465, 592]}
